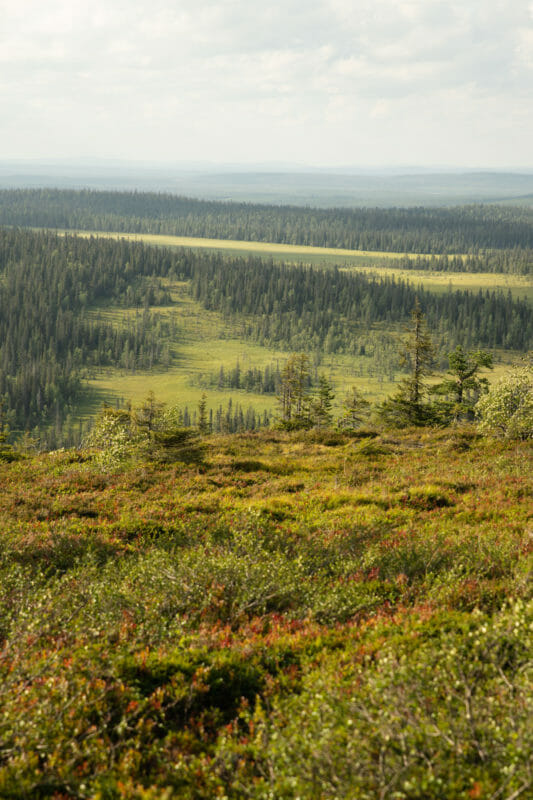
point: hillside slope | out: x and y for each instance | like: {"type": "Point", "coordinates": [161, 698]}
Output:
{"type": "Point", "coordinates": [310, 616]}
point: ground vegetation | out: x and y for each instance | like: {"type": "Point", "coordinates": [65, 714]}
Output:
{"type": "Point", "coordinates": [312, 614]}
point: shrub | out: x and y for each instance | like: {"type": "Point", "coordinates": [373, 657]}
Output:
{"type": "Point", "coordinates": [152, 434]}
{"type": "Point", "coordinates": [112, 436]}
{"type": "Point", "coordinates": [446, 716]}
{"type": "Point", "coordinates": [507, 409]}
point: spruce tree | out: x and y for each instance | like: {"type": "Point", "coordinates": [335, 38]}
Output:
{"type": "Point", "coordinates": [203, 422]}
{"type": "Point", "coordinates": [408, 405]}
{"type": "Point", "coordinates": [355, 410]}
{"type": "Point", "coordinates": [463, 383]}
{"type": "Point", "coordinates": [293, 397]}
{"type": "Point", "coordinates": [320, 407]}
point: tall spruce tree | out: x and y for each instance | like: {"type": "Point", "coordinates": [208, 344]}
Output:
{"type": "Point", "coordinates": [203, 421]}
{"type": "Point", "coordinates": [408, 406]}
{"type": "Point", "coordinates": [321, 405]}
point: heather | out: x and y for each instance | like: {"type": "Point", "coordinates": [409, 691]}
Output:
{"type": "Point", "coordinates": [309, 614]}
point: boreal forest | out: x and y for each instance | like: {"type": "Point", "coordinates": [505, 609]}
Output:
{"type": "Point", "coordinates": [463, 229]}
{"type": "Point", "coordinates": [266, 510]}
{"type": "Point", "coordinates": [53, 287]}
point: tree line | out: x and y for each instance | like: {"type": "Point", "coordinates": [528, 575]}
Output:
{"type": "Point", "coordinates": [302, 308]}
{"type": "Point", "coordinates": [462, 393]}
{"type": "Point", "coordinates": [259, 380]}
{"type": "Point", "coordinates": [49, 331]}
{"type": "Point", "coordinates": [461, 229]}
{"type": "Point", "coordinates": [518, 261]}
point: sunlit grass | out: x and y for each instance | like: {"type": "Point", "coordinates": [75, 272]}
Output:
{"type": "Point", "coordinates": [241, 247]}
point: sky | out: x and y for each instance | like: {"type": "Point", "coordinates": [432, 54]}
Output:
{"type": "Point", "coordinates": [317, 82]}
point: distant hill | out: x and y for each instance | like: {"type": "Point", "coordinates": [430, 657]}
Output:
{"type": "Point", "coordinates": [324, 188]}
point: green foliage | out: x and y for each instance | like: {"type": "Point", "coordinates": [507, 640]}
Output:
{"type": "Point", "coordinates": [463, 383]}
{"type": "Point", "coordinates": [355, 410]}
{"type": "Point", "coordinates": [203, 422]}
{"type": "Point", "coordinates": [507, 408]}
{"type": "Point", "coordinates": [176, 444]}
{"type": "Point", "coordinates": [49, 285]}
{"type": "Point", "coordinates": [56, 326]}
{"type": "Point", "coordinates": [418, 356]}
{"type": "Point", "coordinates": [425, 720]}
{"type": "Point", "coordinates": [7, 451]}
{"type": "Point", "coordinates": [294, 396]}
{"type": "Point", "coordinates": [303, 308]}
{"type": "Point", "coordinates": [146, 417]}
{"type": "Point", "coordinates": [315, 614]}
{"type": "Point", "coordinates": [147, 432]}
{"type": "Point", "coordinates": [292, 620]}
{"type": "Point", "coordinates": [254, 379]}
{"type": "Point", "coordinates": [463, 229]}
{"type": "Point", "coordinates": [320, 411]}
{"type": "Point", "coordinates": [408, 405]}
{"type": "Point", "coordinates": [114, 437]}
{"type": "Point", "coordinates": [495, 261]}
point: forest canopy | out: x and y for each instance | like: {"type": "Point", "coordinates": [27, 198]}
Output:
{"type": "Point", "coordinates": [461, 229]}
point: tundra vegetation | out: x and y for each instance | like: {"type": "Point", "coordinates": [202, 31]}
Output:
{"type": "Point", "coordinates": [315, 613]}
{"type": "Point", "coordinates": [311, 611]}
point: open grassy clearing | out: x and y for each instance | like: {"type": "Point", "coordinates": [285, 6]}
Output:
{"type": "Point", "coordinates": [205, 341]}
{"type": "Point", "coordinates": [173, 386]}
{"type": "Point", "coordinates": [241, 247]}
{"type": "Point", "coordinates": [520, 286]}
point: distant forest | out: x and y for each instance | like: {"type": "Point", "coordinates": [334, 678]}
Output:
{"type": "Point", "coordinates": [469, 229]}
{"type": "Point", "coordinates": [48, 333]}
{"type": "Point", "coordinates": [53, 290]}
{"type": "Point", "coordinates": [302, 308]}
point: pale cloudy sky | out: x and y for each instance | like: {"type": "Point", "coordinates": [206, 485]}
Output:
{"type": "Point", "coordinates": [320, 82]}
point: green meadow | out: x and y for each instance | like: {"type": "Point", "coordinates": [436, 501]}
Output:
{"type": "Point", "coordinates": [190, 344]}
{"type": "Point", "coordinates": [234, 246]}
{"type": "Point", "coordinates": [204, 343]}
{"type": "Point", "coordinates": [520, 286]}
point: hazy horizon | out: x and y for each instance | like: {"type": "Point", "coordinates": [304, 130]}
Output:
{"type": "Point", "coordinates": [294, 184]}
{"type": "Point", "coordinates": [268, 167]}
